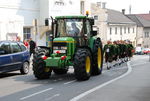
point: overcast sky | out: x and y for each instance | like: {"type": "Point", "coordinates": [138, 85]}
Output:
{"type": "Point", "coordinates": [137, 6]}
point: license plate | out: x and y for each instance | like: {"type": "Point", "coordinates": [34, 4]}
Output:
{"type": "Point", "coordinates": [61, 51]}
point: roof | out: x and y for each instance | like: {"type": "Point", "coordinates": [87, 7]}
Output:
{"type": "Point", "coordinates": [135, 19]}
{"type": "Point", "coordinates": [117, 17]}
{"type": "Point", "coordinates": [142, 20]}
{"type": "Point", "coordinates": [68, 17]}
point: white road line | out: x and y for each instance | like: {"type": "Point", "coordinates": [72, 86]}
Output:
{"type": "Point", "coordinates": [55, 80]}
{"type": "Point", "coordinates": [50, 98]}
{"type": "Point", "coordinates": [31, 95]}
{"type": "Point", "coordinates": [69, 82]}
{"type": "Point", "coordinates": [60, 79]}
{"type": "Point", "coordinates": [102, 85]}
{"type": "Point", "coordinates": [140, 64]}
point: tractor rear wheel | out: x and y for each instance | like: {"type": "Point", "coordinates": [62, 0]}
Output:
{"type": "Point", "coordinates": [82, 64]}
{"type": "Point", "coordinates": [39, 66]}
{"type": "Point", "coordinates": [97, 58]}
{"type": "Point", "coordinates": [60, 71]}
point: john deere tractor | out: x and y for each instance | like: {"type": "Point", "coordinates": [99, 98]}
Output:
{"type": "Point", "coordinates": [74, 43]}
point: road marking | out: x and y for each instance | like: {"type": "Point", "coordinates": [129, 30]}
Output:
{"type": "Point", "coordinates": [102, 85]}
{"type": "Point", "coordinates": [140, 64]}
{"type": "Point", "coordinates": [23, 98]}
{"type": "Point", "coordinates": [56, 95]}
{"type": "Point", "coordinates": [69, 82]}
{"type": "Point", "coordinates": [60, 79]}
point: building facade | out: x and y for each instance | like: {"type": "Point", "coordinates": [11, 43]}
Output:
{"type": "Point", "coordinates": [113, 25]}
{"type": "Point", "coordinates": [25, 18]}
{"type": "Point", "coordinates": [143, 29]}
{"type": "Point", "coordinates": [16, 18]}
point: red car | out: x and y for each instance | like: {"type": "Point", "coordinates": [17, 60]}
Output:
{"type": "Point", "coordinates": [146, 50]}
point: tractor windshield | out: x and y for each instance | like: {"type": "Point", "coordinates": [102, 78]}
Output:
{"type": "Point", "coordinates": [69, 27]}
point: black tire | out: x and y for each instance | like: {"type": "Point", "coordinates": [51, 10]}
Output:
{"type": "Point", "coordinates": [39, 66]}
{"type": "Point", "coordinates": [82, 69]}
{"type": "Point", "coordinates": [25, 68]}
{"type": "Point", "coordinates": [97, 58]}
{"type": "Point", "coordinates": [60, 71]}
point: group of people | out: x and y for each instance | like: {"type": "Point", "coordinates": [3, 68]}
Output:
{"type": "Point", "coordinates": [31, 45]}
{"type": "Point", "coordinates": [117, 52]}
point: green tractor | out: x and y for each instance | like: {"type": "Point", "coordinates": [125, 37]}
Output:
{"type": "Point", "coordinates": [74, 43]}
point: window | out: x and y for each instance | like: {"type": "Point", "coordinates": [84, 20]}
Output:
{"type": "Point", "coordinates": [82, 7]}
{"type": "Point", "coordinates": [146, 34]}
{"type": "Point", "coordinates": [96, 17]}
{"type": "Point", "coordinates": [120, 30]}
{"type": "Point", "coordinates": [23, 48]}
{"type": "Point", "coordinates": [69, 27]}
{"type": "Point", "coordinates": [88, 28]}
{"type": "Point", "coordinates": [27, 33]}
{"type": "Point", "coordinates": [5, 49]}
{"type": "Point", "coordinates": [128, 30]}
{"type": "Point", "coordinates": [133, 30]}
{"type": "Point", "coordinates": [115, 30]}
{"type": "Point", "coordinates": [125, 30]}
{"type": "Point", "coordinates": [15, 47]}
{"type": "Point", "coordinates": [110, 31]}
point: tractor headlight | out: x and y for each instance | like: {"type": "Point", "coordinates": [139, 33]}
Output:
{"type": "Point", "coordinates": [55, 48]}
{"type": "Point", "coordinates": [64, 48]}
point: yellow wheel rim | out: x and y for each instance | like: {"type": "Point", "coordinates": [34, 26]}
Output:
{"type": "Point", "coordinates": [99, 59]}
{"type": "Point", "coordinates": [47, 69]}
{"type": "Point", "coordinates": [88, 64]}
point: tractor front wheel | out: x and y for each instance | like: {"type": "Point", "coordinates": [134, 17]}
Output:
{"type": "Point", "coordinates": [82, 64]}
{"type": "Point", "coordinates": [39, 66]}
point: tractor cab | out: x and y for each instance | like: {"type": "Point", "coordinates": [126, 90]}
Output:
{"type": "Point", "coordinates": [77, 27]}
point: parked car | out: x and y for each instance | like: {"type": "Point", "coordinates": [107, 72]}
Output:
{"type": "Point", "coordinates": [14, 56]}
{"type": "Point", "coordinates": [138, 51]}
{"type": "Point", "coordinates": [146, 50]}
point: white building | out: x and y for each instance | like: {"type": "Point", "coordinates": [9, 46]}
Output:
{"type": "Point", "coordinates": [18, 17]}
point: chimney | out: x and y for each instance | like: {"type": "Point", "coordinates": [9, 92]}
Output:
{"type": "Point", "coordinates": [103, 5]}
{"type": "Point", "coordinates": [123, 11]}
{"type": "Point", "coordinates": [98, 4]}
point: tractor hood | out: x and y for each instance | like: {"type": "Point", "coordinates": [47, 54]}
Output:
{"type": "Point", "coordinates": [64, 40]}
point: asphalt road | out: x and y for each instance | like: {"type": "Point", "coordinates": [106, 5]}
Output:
{"type": "Point", "coordinates": [15, 87]}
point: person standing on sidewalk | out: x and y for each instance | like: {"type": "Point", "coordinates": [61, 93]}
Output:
{"type": "Point", "coordinates": [32, 46]}
{"type": "Point", "coordinates": [25, 42]}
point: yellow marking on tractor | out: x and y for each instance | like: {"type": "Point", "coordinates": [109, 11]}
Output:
{"type": "Point", "coordinates": [88, 64]}
{"type": "Point", "coordinates": [99, 59]}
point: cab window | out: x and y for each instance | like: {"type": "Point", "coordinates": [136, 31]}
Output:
{"type": "Point", "coordinates": [88, 28]}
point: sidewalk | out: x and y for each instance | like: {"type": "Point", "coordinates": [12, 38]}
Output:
{"type": "Point", "coordinates": [133, 87]}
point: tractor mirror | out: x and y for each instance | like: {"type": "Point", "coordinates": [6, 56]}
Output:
{"type": "Point", "coordinates": [92, 21]}
{"type": "Point", "coordinates": [93, 33]}
{"type": "Point", "coordinates": [46, 22]}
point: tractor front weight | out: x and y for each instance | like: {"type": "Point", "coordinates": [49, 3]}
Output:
{"type": "Point", "coordinates": [58, 62]}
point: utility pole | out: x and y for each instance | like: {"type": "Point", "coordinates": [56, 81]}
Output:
{"type": "Point", "coordinates": [130, 8]}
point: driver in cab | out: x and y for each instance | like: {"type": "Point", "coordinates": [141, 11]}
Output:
{"type": "Point", "coordinates": [75, 30]}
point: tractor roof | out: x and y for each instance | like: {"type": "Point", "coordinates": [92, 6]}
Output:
{"type": "Point", "coordinates": [71, 17]}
